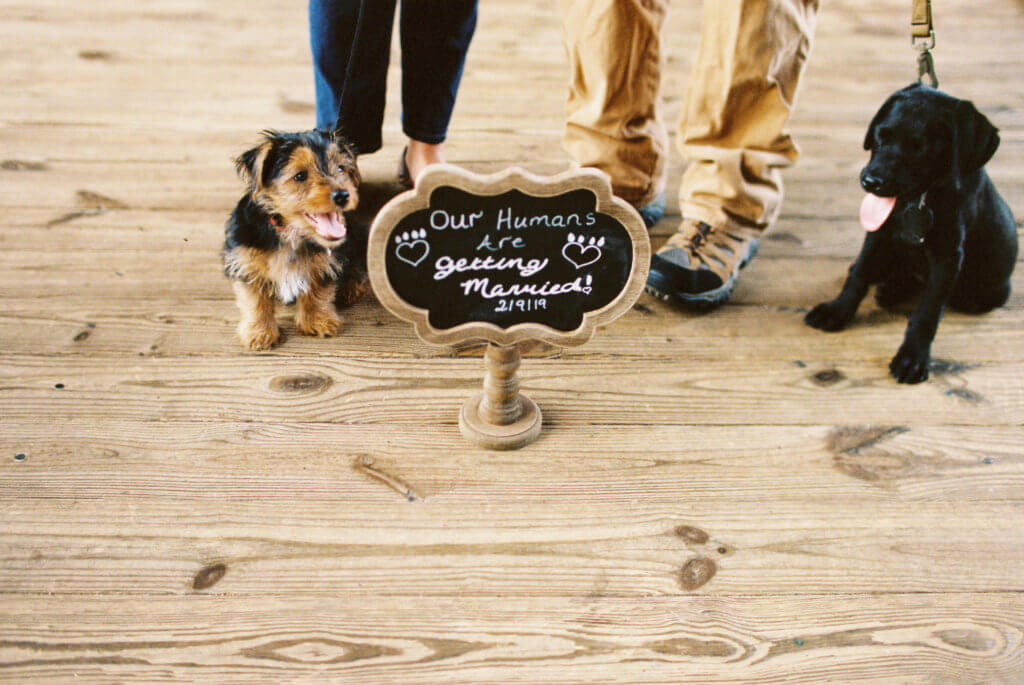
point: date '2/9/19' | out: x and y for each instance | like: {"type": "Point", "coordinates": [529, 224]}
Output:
{"type": "Point", "coordinates": [530, 304]}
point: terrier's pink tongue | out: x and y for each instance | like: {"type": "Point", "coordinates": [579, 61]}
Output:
{"type": "Point", "coordinates": [329, 225]}
{"type": "Point", "coordinates": [875, 210]}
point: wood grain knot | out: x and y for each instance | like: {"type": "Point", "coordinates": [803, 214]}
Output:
{"type": "Point", "coordinates": [827, 377]}
{"type": "Point", "coordinates": [294, 106]}
{"type": "Point", "coordinates": [209, 576]}
{"type": "Point", "coordinates": [81, 336]}
{"type": "Point", "coordinates": [318, 651]}
{"type": "Point", "coordinates": [93, 55]}
{"type": "Point", "coordinates": [98, 201]}
{"type": "Point", "coordinates": [788, 238]}
{"type": "Point", "coordinates": [966, 395]}
{"type": "Point", "coordinates": [697, 572]}
{"type": "Point", "coordinates": [643, 309]}
{"type": "Point", "coordinates": [691, 534]}
{"type": "Point", "coordinates": [23, 165]}
{"type": "Point", "coordinates": [306, 383]}
{"type": "Point", "coordinates": [853, 439]}
{"type": "Point", "coordinates": [856, 452]}
{"type": "Point", "coordinates": [946, 367]}
{"type": "Point", "coordinates": [967, 639]}
{"type": "Point", "coordinates": [691, 647]}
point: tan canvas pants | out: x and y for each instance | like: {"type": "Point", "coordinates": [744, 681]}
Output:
{"type": "Point", "coordinates": [739, 98]}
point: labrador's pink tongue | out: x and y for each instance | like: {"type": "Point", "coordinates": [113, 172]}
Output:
{"type": "Point", "coordinates": [330, 225]}
{"type": "Point", "coordinates": [875, 210]}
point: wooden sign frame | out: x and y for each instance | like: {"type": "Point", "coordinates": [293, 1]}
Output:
{"type": "Point", "coordinates": [501, 417]}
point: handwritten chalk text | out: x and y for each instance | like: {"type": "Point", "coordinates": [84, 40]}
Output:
{"type": "Point", "coordinates": [524, 305]}
{"type": "Point", "coordinates": [445, 266]}
{"type": "Point", "coordinates": [483, 287]}
{"type": "Point", "coordinates": [508, 221]}
{"type": "Point", "coordinates": [440, 220]}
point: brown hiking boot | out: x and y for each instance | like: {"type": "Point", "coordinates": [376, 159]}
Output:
{"type": "Point", "coordinates": [697, 267]}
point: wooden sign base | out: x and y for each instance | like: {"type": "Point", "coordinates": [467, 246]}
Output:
{"type": "Point", "coordinates": [500, 418]}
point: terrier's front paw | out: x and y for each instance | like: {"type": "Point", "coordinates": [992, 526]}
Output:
{"type": "Point", "coordinates": [910, 365]}
{"type": "Point", "coordinates": [828, 316]}
{"type": "Point", "coordinates": [322, 324]}
{"type": "Point", "coordinates": [259, 336]}
{"type": "Point", "coordinates": [351, 290]}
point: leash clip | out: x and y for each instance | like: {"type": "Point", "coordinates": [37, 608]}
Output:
{"type": "Point", "coordinates": [923, 43]}
{"type": "Point", "coordinates": [925, 62]}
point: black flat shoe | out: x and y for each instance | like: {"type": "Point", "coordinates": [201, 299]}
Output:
{"type": "Point", "coordinates": [404, 179]}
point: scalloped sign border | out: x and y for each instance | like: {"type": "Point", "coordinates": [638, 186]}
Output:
{"type": "Point", "coordinates": [445, 175]}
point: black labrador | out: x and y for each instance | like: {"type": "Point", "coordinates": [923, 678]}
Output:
{"type": "Point", "coordinates": [934, 219]}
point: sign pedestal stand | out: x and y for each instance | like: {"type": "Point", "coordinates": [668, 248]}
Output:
{"type": "Point", "coordinates": [500, 418]}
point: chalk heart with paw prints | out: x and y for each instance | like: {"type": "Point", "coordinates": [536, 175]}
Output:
{"type": "Point", "coordinates": [508, 257]}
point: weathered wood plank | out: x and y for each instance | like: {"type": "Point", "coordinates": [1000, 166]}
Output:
{"type": "Point", "coordinates": [428, 391]}
{"type": "Point", "coordinates": [174, 327]}
{"type": "Point", "coordinates": [83, 458]}
{"type": "Point", "coordinates": [76, 458]}
{"type": "Point", "coordinates": [366, 540]}
{"type": "Point", "coordinates": [851, 638]}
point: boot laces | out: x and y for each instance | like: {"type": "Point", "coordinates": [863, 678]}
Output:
{"type": "Point", "coordinates": [700, 237]}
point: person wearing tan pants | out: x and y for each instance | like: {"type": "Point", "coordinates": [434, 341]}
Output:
{"type": "Point", "coordinates": [732, 131]}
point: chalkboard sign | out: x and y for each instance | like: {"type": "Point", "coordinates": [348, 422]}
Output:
{"type": "Point", "coordinates": [506, 258]}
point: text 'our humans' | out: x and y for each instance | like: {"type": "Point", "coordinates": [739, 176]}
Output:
{"type": "Point", "coordinates": [441, 220]}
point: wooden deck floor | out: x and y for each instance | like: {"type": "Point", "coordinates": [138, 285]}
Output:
{"type": "Point", "coordinates": [174, 508]}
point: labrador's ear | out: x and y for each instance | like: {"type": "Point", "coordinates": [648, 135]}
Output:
{"type": "Point", "coordinates": [975, 140]}
{"type": "Point", "coordinates": [882, 113]}
{"type": "Point", "coordinates": [252, 164]}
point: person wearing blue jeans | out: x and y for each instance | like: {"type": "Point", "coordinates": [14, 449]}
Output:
{"type": "Point", "coordinates": [351, 41]}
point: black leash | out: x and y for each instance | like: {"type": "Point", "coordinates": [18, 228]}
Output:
{"type": "Point", "coordinates": [922, 38]}
{"type": "Point", "coordinates": [357, 37]}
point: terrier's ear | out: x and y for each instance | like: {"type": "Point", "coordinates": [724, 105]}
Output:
{"type": "Point", "coordinates": [249, 165]}
{"type": "Point", "coordinates": [348, 149]}
{"type": "Point", "coordinates": [337, 134]}
{"type": "Point", "coordinates": [252, 164]}
{"type": "Point", "coordinates": [975, 140]}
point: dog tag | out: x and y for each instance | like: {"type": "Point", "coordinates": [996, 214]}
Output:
{"type": "Point", "coordinates": [917, 221]}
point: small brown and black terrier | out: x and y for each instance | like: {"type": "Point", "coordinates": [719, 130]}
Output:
{"type": "Point", "coordinates": [288, 239]}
